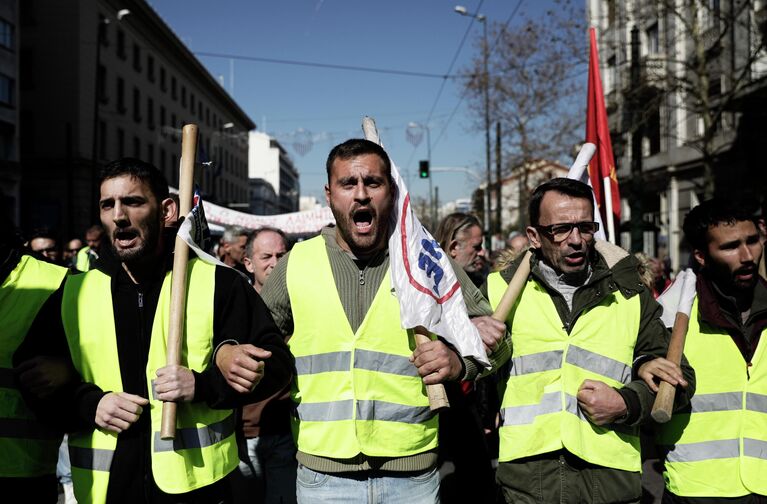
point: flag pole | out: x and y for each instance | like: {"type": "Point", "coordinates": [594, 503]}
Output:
{"type": "Point", "coordinates": [178, 276]}
{"type": "Point", "coordinates": [609, 210]}
{"type": "Point", "coordinates": [436, 393]}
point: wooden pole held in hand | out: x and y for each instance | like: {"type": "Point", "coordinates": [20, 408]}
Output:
{"type": "Point", "coordinates": [436, 393]}
{"type": "Point", "coordinates": [178, 277]}
{"type": "Point", "coordinates": [514, 289]}
{"type": "Point", "coordinates": [663, 406]}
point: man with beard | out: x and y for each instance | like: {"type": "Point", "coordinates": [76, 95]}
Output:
{"type": "Point", "coordinates": [87, 256]}
{"type": "Point", "coordinates": [115, 318]}
{"type": "Point", "coordinates": [363, 426]}
{"type": "Point", "coordinates": [717, 448]}
{"type": "Point", "coordinates": [582, 330]}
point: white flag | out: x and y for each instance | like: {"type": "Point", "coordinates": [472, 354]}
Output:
{"type": "Point", "coordinates": [579, 171]}
{"type": "Point", "coordinates": [194, 230]}
{"type": "Point", "coordinates": [421, 274]}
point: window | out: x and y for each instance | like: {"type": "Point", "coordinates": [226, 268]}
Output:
{"type": "Point", "coordinates": [173, 179]}
{"type": "Point", "coordinates": [150, 68]}
{"type": "Point", "coordinates": [102, 84]}
{"type": "Point", "coordinates": [6, 90]}
{"type": "Point", "coordinates": [136, 147]}
{"type": "Point", "coordinates": [102, 32]}
{"type": "Point", "coordinates": [183, 96]}
{"type": "Point", "coordinates": [6, 34]}
{"type": "Point", "coordinates": [102, 140]}
{"type": "Point", "coordinates": [120, 143]}
{"type": "Point", "coordinates": [163, 83]}
{"type": "Point", "coordinates": [173, 125]}
{"type": "Point", "coordinates": [7, 135]}
{"type": "Point", "coordinates": [610, 12]}
{"type": "Point", "coordinates": [150, 113]}
{"type": "Point", "coordinates": [150, 153]}
{"type": "Point", "coordinates": [121, 95]}
{"type": "Point", "coordinates": [611, 77]}
{"type": "Point", "coordinates": [121, 44]}
{"type": "Point", "coordinates": [199, 110]}
{"type": "Point", "coordinates": [162, 118]}
{"type": "Point", "coordinates": [652, 39]}
{"type": "Point", "coordinates": [136, 105]}
{"type": "Point", "coordinates": [173, 93]}
{"type": "Point", "coordinates": [136, 58]}
{"type": "Point", "coordinates": [192, 102]}
{"type": "Point", "coordinates": [163, 166]}
{"type": "Point", "coordinates": [207, 116]}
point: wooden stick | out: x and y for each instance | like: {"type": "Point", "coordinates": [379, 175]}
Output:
{"type": "Point", "coordinates": [664, 400]}
{"type": "Point", "coordinates": [514, 289]}
{"type": "Point", "coordinates": [178, 276]}
{"type": "Point", "coordinates": [437, 395]}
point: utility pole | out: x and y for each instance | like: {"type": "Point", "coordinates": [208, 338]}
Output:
{"type": "Point", "coordinates": [486, 91]}
{"type": "Point", "coordinates": [637, 130]}
{"type": "Point", "coordinates": [498, 180]}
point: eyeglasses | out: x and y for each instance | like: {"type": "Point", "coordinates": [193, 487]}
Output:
{"type": "Point", "coordinates": [560, 232]}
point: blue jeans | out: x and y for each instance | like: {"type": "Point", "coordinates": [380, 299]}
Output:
{"type": "Point", "coordinates": [63, 467]}
{"type": "Point", "coordinates": [375, 487]}
{"type": "Point", "coordinates": [274, 461]}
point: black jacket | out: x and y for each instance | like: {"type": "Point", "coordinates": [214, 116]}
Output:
{"type": "Point", "coordinates": [239, 314]}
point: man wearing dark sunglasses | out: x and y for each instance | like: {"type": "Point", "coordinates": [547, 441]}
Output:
{"type": "Point", "coordinates": [582, 332]}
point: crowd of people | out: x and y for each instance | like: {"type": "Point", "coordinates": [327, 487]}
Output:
{"type": "Point", "coordinates": [298, 383]}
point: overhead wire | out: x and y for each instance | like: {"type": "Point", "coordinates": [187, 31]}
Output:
{"type": "Point", "coordinates": [442, 86]}
{"type": "Point", "coordinates": [356, 68]}
{"type": "Point", "coordinates": [489, 51]}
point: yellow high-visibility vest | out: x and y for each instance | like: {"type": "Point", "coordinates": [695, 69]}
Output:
{"type": "Point", "coordinates": [204, 450]}
{"type": "Point", "coordinates": [28, 447]}
{"type": "Point", "coordinates": [356, 392]}
{"type": "Point", "coordinates": [83, 259]}
{"type": "Point", "coordinates": [718, 447]}
{"type": "Point", "coordinates": [540, 412]}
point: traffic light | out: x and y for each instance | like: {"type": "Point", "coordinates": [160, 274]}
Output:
{"type": "Point", "coordinates": [423, 169]}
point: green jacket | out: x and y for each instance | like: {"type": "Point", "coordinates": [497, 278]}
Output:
{"type": "Point", "coordinates": [613, 269]}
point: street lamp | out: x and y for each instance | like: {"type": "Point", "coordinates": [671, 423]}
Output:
{"type": "Point", "coordinates": [460, 9]}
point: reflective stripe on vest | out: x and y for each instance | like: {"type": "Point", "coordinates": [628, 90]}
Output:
{"type": "Point", "coordinates": [92, 459]}
{"type": "Point", "coordinates": [718, 446]}
{"type": "Point", "coordinates": [191, 438]}
{"type": "Point", "coordinates": [363, 359]}
{"type": "Point", "coordinates": [28, 448]}
{"type": "Point", "coordinates": [540, 411]}
{"type": "Point", "coordinates": [204, 450]}
{"type": "Point", "coordinates": [355, 392]}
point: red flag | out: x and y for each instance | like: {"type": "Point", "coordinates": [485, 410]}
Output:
{"type": "Point", "coordinates": [597, 132]}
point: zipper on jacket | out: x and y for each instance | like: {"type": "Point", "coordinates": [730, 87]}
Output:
{"type": "Point", "coordinates": [362, 277]}
{"type": "Point", "coordinates": [140, 299]}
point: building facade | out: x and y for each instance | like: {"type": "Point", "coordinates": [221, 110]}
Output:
{"type": "Point", "coordinates": [269, 162]}
{"type": "Point", "coordinates": [105, 79]}
{"type": "Point", "coordinates": [10, 172]}
{"type": "Point", "coordinates": [516, 189]}
{"type": "Point", "coordinates": [685, 87]}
